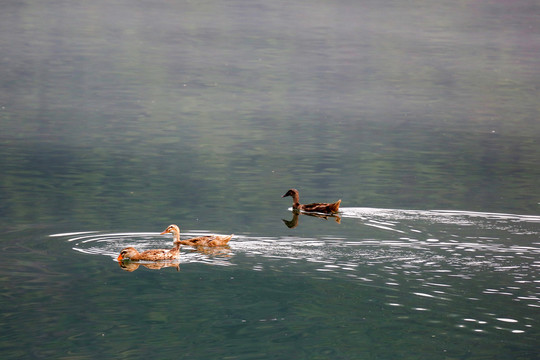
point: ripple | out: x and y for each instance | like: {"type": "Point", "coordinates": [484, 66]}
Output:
{"type": "Point", "coordinates": [407, 221]}
{"type": "Point", "coordinates": [508, 320]}
{"type": "Point", "coordinates": [476, 264]}
{"type": "Point", "coordinates": [110, 244]}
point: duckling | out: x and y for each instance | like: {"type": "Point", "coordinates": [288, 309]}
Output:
{"type": "Point", "coordinates": [315, 207]}
{"type": "Point", "coordinates": [209, 240]}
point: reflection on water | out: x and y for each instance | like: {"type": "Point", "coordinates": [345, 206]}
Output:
{"type": "Point", "coordinates": [157, 265]}
{"type": "Point", "coordinates": [453, 262]}
{"type": "Point", "coordinates": [291, 224]}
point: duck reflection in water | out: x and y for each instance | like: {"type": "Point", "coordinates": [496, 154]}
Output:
{"type": "Point", "coordinates": [158, 258]}
{"type": "Point", "coordinates": [219, 251]}
{"type": "Point", "coordinates": [132, 266]}
{"type": "Point", "coordinates": [294, 221]}
{"type": "Point", "coordinates": [129, 258]}
{"type": "Point", "coordinates": [213, 245]}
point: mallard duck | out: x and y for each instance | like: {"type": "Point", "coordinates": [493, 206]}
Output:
{"type": "Point", "coordinates": [209, 240]}
{"type": "Point", "coordinates": [315, 207]}
{"type": "Point", "coordinates": [131, 254]}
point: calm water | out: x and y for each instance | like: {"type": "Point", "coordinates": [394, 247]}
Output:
{"type": "Point", "coordinates": [120, 118]}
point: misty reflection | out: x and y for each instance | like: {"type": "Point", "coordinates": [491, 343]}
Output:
{"type": "Point", "coordinates": [294, 221]}
{"type": "Point", "coordinates": [132, 266]}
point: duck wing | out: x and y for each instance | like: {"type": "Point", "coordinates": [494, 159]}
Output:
{"type": "Point", "coordinates": [196, 241]}
{"type": "Point", "coordinates": [219, 240]}
{"type": "Point", "coordinates": [322, 207]}
{"type": "Point", "coordinates": [153, 255]}
{"type": "Point", "coordinates": [209, 240]}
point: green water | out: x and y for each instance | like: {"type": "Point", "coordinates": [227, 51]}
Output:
{"type": "Point", "coordinates": [118, 119]}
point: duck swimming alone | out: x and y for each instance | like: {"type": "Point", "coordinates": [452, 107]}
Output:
{"type": "Point", "coordinates": [315, 207]}
{"type": "Point", "coordinates": [210, 240]}
{"type": "Point", "coordinates": [131, 254]}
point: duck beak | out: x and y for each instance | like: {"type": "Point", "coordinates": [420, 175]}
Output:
{"type": "Point", "coordinates": [119, 258]}
{"type": "Point", "coordinates": [163, 233]}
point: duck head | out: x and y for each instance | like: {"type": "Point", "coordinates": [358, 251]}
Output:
{"type": "Point", "coordinates": [291, 192]}
{"type": "Point", "coordinates": [128, 253]}
{"type": "Point", "coordinates": [175, 230]}
{"type": "Point", "coordinates": [171, 229]}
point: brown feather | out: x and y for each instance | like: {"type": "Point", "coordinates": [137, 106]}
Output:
{"type": "Point", "coordinates": [132, 254]}
{"type": "Point", "coordinates": [209, 240]}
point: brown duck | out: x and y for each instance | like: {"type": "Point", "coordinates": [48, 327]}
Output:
{"type": "Point", "coordinates": [315, 207]}
{"type": "Point", "coordinates": [209, 240]}
{"type": "Point", "coordinates": [131, 254]}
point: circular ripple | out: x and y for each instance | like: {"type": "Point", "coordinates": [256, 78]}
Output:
{"type": "Point", "coordinates": [110, 244]}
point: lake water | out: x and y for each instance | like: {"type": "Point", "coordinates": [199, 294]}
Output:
{"type": "Point", "coordinates": [120, 118]}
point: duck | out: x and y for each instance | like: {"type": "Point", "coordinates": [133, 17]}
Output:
{"type": "Point", "coordinates": [328, 208]}
{"type": "Point", "coordinates": [209, 240]}
{"type": "Point", "coordinates": [132, 254]}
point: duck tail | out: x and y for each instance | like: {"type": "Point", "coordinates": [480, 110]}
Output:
{"type": "Point", "coordinates": [335, 206]}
